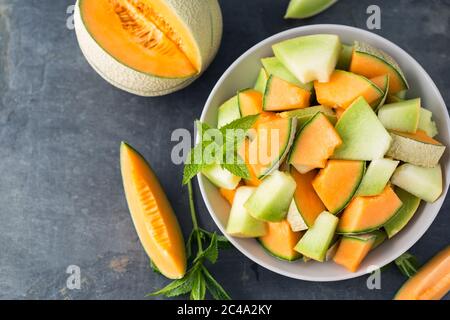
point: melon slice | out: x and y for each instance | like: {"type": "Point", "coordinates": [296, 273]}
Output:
{"type": "Point", "coordinates": [426, 124]}
{"type": "Point", "coordinates": [432, 282]}
{"type": "Point", "coordinates": [148, 47]}
{"type": "Point", "coordinates": [316, 241]}
{"type": "Point", "coordinates": [314, 144]}
{"type": "Point", "coordinates": [401, 116]}
{"type": "Point", "coordinates": [271, 200]}
{"type": "Point", "coordinates": [362, 134]}
{"type": "Point", "coordinates": [301, 9]}
{"type": "Point", "coordinates": [380, 237]}
{"type": "Point", "coordinates": [404, 214]}
{"type": "Point", "coordinates": [280, 240]}
{"type": "Point", "coordinates": [261, 81]}
{"type": "Point", "coordinates": [416, 148]}
{"type": "Point", "coordinates": [352, 250]}
{"type": "Point", "coordinates": [345, 57]}
{"type": "Point", "coordinates": [376, 177]}
{"type": "Point", "coordinates": [306, 205]}
{"type": "Point", "coordinates": [221, 177]}
{"type": "Point", "coordinates": [309, 58]}
{"type": "Point", "coordinates": [273, 66]}
{"type": "Point", "coordinates": [371, 62]}
{"type": "Point", "coordinates": [381, 82]}
{"type": "Point", "coordinates": [228, 194]}
{"type": "Point", "coordinates": [250, 102]}
{"type": "Point", "coordinates": [425, 183]}
{"type": "Point", "coordinates": [228, 112]}
{"type": "Point", "coordinates": [244, 153]}
{"type": "Point", "coordinates": [305, 114]}
{"type": "Point", "coordinates": [344, 87]}
{"type": "Point", "coordinates": [337, 183]}
{"type": "Point", "coordinates": [281, 95]}
{"type": "Point", "coordinates": [364, 214]}
{"type": "Point", "coordinates": [240, 223]}
{"type": "Point", "coordinates": [152, 214]}
{"type": "Point", "coordinates": [339, 112]}
{"type": "Point", "coordinates": [271, 145]}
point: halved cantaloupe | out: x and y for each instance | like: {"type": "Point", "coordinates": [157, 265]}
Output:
{"type": "Point", "coordinates": [149, 47]}
{"type": "Point", "coordinates": [250, 102]}
{"type": "Point", "coordinates": [337, 183]}
{"type": "Point", "coordinates": [416, 148]}
{"type": "Point", "coordinates": [432, 282]}
{"type": "Point", "coordinates": [281, 95]}
{"type": "Point", "coordinates": [280, 240]}
{"type": "Point", "coordinates": [306, 200]}
{"type": "Point", "coordinates": [153, 217]}
{"type": "Point", "coordinates": [352, 251]}
{"type": "Point", "coordinates": [371, 62]}
{"type": "Point", "coordinates": [364, 214]}
{"type": "Point", "coordinates": [271, 145]}
{"type": "Point", "coordinates": [344, 87]}
{"type": "Point", "coordinates": [314, 144]}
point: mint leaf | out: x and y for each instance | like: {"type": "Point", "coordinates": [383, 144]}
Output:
{"type": "Point", "coordinates": [244, 123]}
{"type": "Point", "coordinates": [199, 287]}
{"type": "Point", "coordinates": [407, 264]}
{"type": "Point", "coordinates": [180, 286]}
{"type": "Point", "coordinates": [222, 241]}
{"type": "Point", "coordinates": [214, 287]}
{"type": "Point", "coordinates": [239, 170]}
{"type": "Point", "coordinates": [212, 252]}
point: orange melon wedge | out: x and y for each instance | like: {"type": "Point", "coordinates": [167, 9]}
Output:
{"type": "Point", "coordinates": [280, 240]}
{"type": "Point", "coordinates": [250, 102]}
{"type": "Point", "coordinates": [432, 282]}
{"type": "Point", "coordinates": [364, 214]}
{"type": "Point", "coordinates": [281, 95]}
{"type": "Point", "coordinates": [352, 250]}
{"type": "Point", "coordinates": [152, 214]}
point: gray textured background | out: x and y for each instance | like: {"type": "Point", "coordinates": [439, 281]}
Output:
{"type": "Point", "coordinates": [61, 199]}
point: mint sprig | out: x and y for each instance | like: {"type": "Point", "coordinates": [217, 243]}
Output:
{"type": "Point", "coordinates": [407, 264]}
{"type": "Point", "coordinates": [198, 280]}
{"type": "Point", "coordinates": [219, 146]}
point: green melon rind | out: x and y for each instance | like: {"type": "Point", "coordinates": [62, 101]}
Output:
{"type": "Point", "coordinates": [415, 152]}
{"type": "Point", "coordinates": [367, 49]}
{"type": "Point", "coordinates": [382, 100]}
{"type": "Point", "coordinates": [363, 135]}
{"type": "Point", "coordinates": [278, 256]}
{"type": "Point", "coordinates": [345, 57]}
{"type": "Point", "coordinates": [306, 114]}
{"type": "Point", "coordinates": [316, 241]}
{"type": "Point", "coordinates": [295, 218]}
{"type": "Point", "coordinates": [301, 9]}
{"type": "Point", "coordinates": [426, 123]}
{"type": "Point", "coordinates": [207, 33]}
{"type": "Point", "coordinates": [424, 183]}
{"type": "Point", "coordinates": [261, 81]}
{"type": "Point", "coordinates": [228, 112]}
{"type": "Point", "coordinates": [273, 66]}
{"type": "Point", "coordinates": [404, 214]}
{"type": "Point", "coordinates": [401, 116]}
{"type": "Point", "coordinates": [380, 237]}
{"type": "Point", "coordinates": [285, 150]}
{"type": "Point", "coordinates": [376, 177]}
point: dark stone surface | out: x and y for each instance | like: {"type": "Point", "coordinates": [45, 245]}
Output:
{"type": "Point", "coordinates": [61, 199]}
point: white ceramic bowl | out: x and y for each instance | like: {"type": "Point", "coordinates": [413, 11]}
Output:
{"type": "Point", "coordinates": [242, 74]}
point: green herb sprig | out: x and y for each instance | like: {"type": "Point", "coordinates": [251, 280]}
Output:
{"type": "Point", "coordinates": [407, 264]}
{"type": "Point", "coordinates": [218, 146]}
{"type": "Point", "coordinates": [198, 279]}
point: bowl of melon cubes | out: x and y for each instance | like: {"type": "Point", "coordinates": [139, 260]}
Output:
{"type": "Point", "coordinates": [360, 165]}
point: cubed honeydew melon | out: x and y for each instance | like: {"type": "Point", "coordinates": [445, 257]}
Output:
{"type": "Point", "coordinates": [228, 112]}
{"type": "Point", "coordinates": [311, 57]}
{"type": "Point", "coordinates": [376, 177]}
{"type": "Point", "coordinates": [404, 214]}
{"type": "Point", "coordinates": [424, 183]}
{"type": "Point", "coordinates": [295, 219]}
{"type": "Point", "coordinates": [316, 241]}
{"type": "Point", "coordinates": [426, 123]}
{"type": "Point", "coordinates": [241, 223]}
{"type": "Point", "coordinates": [363, 135]}
{"type": "Point", "coordinates": [221, 177]}
{"type": "Point", "coordinates": [261, 81]}
{"type": "Point", "coordinates": [416, 148]}
{"type": "Point", "coordinates": [301, 9]}
{"type": "Point", "coordinates": [273, 66]}
{"type": "Point", "coordinates": [345, 57]}
{"type": "Point", "coordinates": [305, 114]}
{"type": "Point", "coordinates": [272, 198]}
{"type": "Point", "coordinates": [401, 116]}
